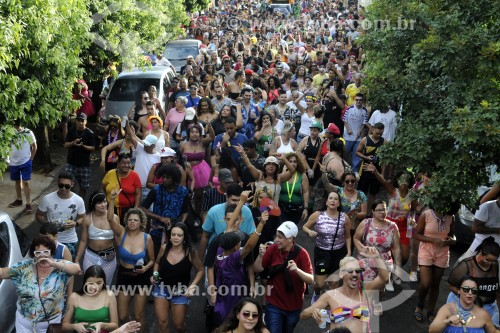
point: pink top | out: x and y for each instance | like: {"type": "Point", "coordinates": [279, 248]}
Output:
{"type": "Point", "coordinates": [174, 117]}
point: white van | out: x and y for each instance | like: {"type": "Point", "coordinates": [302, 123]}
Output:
{"type": "Point", "coordinates": [129, 84]}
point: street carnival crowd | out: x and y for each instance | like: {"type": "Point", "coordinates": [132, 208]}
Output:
{"type": "Point", "coordinates": [266, 133]}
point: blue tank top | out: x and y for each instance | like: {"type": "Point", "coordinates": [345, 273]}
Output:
{"type": "Point", "coordinates": [129, 258]}
{"type": "Point", "coordinates": [59, 251]}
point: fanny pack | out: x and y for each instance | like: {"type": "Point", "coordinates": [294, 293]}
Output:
{"type": "Point", "coordinates": [106, 254]}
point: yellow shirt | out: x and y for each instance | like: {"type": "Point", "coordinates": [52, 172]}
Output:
{"type": "Point", "coordinates": [351, 92]}
{"type": "Point", "coordinates": [318, 80]}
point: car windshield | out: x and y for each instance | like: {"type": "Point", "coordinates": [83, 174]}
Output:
{"type": "Point", "coordinates": [4, 245]}
{"type": "Point", "coordinates": [180, 52]}
{"type": "Point", "coordinates": [127, 89]}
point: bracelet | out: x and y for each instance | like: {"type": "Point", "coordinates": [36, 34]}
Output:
{"type": "Point", "coordinates": [258, 233]}
{"type": "Point", "coordinates": [244, 156]}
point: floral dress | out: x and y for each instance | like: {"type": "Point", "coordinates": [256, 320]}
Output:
{"type": "Point", "coordinates": [381, 238]}
{"type": "Point", "coordinates": [38, 303]}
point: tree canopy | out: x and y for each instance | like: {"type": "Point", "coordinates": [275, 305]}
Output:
{"type": "Point", "coordinates": [445, 74]}
{"type": "Point", "coordinates": [49, 44]}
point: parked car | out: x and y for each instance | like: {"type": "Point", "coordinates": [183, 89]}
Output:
{"type": "Point", "coordinates": [124, 91]}
{"type": "Point", "coordinates": [465, 217]}
{"type": "Point", "coordinates": [14, 246]}
{"type": "Point", "coordinates": [177, 51]}
{"type": "Point", "coordinates": [285, 9]}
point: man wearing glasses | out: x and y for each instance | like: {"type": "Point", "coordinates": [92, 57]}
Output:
{"type": "Point", "coordinates": [64, 208]}
{"type": "Point", "coordinates": [348, 304]}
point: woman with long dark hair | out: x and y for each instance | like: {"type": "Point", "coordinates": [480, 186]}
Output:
{"type": "Point", "coordinates": [332, 230]}
{"type": "Point", "coordinates": [93, 308]}
{"type": "Point", "coordinates": [245, 317]}
{"type": "Point", "coordinates": [173, 287]}
{"type": "Point", "coordinates": [139, 109]}
{"type": "Point", "coordinates": [113, 133]}
{"type": "Point", "coordinates": [97, 238]}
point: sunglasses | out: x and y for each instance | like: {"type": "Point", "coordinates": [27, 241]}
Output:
{"type": "Point", "coordinates": [466, 290]}
{"type": "Point", "coordinates": [145, 98]}
{"type": "Point", "coordinates": [350, 181]}
{"type": "Point", "coordinates": [113, 126]}
{"type": "Point", "coordinates": [66, 186]}
{"type": "Point", "coordinates": [47, 253]}
{"type": "Point", "coordinates": [250, 315]}
{"type": "Point", "coordinates": [358, 270]}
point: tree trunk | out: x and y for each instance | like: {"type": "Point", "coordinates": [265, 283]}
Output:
{"type": "Point", "coordinates": [42, 162]}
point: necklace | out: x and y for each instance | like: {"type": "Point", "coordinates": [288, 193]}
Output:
{"type": "Point", "coordinates": [464, 315]}
{"type": "Point", "coordinates": [194, 143]}
{"type": "Point", "coordinates": [115, 137]}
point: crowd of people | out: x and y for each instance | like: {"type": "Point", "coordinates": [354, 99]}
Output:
{"type": "Point", "coordinates": [266, 133]}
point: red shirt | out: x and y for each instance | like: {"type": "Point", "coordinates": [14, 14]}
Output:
{"type": "Point", "coordinates": [279, 296]}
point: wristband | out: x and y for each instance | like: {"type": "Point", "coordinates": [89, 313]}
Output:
{"type": "Point", "coordinates": [258, 233]}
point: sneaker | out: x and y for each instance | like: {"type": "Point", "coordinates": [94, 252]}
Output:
{"type": "Point", "coordinates": [16, 203]}
{"type": "Point", "coordinates": [314, 298]}
{"type": "Point", "coordinates": [389, 286]}
{"type": "Point", "coordinates": [28, 209]}
{"type": "Point", "coordinates": [413, 277]}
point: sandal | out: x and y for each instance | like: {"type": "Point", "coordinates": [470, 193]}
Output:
{"type": "Point", "coordinates": [431, 315]}
{"type": "Point", "coordinates": [418, 315]}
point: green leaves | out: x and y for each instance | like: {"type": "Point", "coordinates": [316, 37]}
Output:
{"type": "Point", "coordinates": [445, 74]}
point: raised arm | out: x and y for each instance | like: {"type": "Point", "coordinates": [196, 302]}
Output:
{"type": "Point", "coordinates": [113, 220]}
{"type": "Point", "coordinates": [290, 170]}
{"type": "Point", "coordinates": [256, 173]}
{"type": "Point", "coordinates": [371, 168]}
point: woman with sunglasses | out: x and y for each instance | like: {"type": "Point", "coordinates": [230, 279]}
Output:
{"type": "Point", "coordinates": [96, 239]}
{"type": "Point", "coordinates": [245, 317]}
{"type": "Point", "coordinates": [382, 234]}
{"type": "Point", "coordinates": [113, 133]}
{"type": "Point", "coordinates": [463, 315]}
{"type": "Point", "coordinates": [435, 232]}
{"type": "Point", "coordinates": [483, 267]}
{"type": "Point", "coordinates": [139, 109]}
{"type": "Point", "coordinates": [37, 276]}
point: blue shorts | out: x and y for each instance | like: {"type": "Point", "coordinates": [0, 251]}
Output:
{"type": "Point", "coordinates": [163, 292]}
{"type": "Point", "coordinates": [21, 172]}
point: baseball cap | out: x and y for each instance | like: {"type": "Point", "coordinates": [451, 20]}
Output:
{"type": "Point", "coordinates": [249, 71]}
{"type": "Point", "coordinates": [190, 57]}
{"type": "Point", "coordinates": [150, 140]}
{"type": "Point", "coordinates": [316, 124]}
{"type": "Point", "coordinates": [225, 175]}
{"type": "Point", "coordinates": [82, 116]}
{"type": "Point", "coordinates": [332, 128]}
{"type": "Point", "coordinates": [289, 229]}
{"type": "Point", "coordinates": [167, 152]}
{"type": "Point", "coordinates": [190, 113]}
{"type": "Point", "coordinates": [272, 159]}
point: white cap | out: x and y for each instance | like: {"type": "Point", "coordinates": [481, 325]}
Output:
{"type": "Point", "coordinates": [150, 140]}
{"type": "Point", "coordinates": [167, 152]}
{"type": "Point", "coordinates": [289, 229]}
{"type": "Point", "coordinates": [190, 113]}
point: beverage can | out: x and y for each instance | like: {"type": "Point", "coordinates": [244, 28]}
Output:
{"type": "Point", "coordinates": [124, 121]}
{"type": "Point", "coordinates": [156, 277]}
{"type": "Point", "coordinates": [324, 317]}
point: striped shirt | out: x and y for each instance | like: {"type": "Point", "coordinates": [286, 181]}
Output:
{"type": "Point", "coordinates": [212, 197]}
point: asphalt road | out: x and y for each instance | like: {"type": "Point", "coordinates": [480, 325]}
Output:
{"type": "Point", "coordinates": [398, 305]}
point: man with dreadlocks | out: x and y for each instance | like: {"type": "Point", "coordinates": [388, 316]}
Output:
{"type": "Point", "coordinates": [349, 305]}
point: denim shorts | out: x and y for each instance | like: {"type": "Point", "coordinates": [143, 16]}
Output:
{"type": "Point", "coordinates": [164, 293]}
